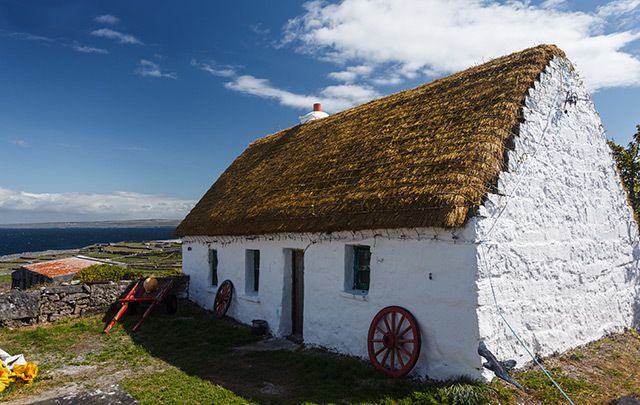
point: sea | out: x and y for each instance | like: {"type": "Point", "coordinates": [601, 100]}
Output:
{"type": "Point", "coordinates": [40, 239]}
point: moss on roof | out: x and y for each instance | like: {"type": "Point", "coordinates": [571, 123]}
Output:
{"type": "Point", "coordinates": [424, 157]}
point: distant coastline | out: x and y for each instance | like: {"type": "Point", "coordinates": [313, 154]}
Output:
{"type": "Point", "coordinates": [12, 256]}
{"type": "Point", "coordinates": [41, 237]}
{"type": "Point", "coordinates": [141, 223]}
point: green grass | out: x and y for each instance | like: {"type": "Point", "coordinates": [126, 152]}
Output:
{"type": "Point", "coordinates": [5, 278]}
{"type": "Point", "coordinates": [51, 344]}
{"type": "Point", "coordinates": [546, 392]}
{"type": "Point", "coordinates": [179, 359]}
{"type": "Point", "coordinates": [175, 387]}
{"type": "Point", "coordinates": [190, 357]}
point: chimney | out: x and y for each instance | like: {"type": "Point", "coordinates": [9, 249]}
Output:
{"type": "Point", "coordinates": [316, 114]}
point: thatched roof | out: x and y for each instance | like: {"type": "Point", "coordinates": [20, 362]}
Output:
{"type": "Point", "coordinates": [424, 157]}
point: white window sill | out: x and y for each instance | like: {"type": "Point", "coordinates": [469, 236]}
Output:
{"type": "Point", "coordinates": [250, 298]}
{"type": "Point", "coordinates": [354, 295]}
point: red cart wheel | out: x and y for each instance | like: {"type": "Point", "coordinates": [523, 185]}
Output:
{"type": "Point", "coordinates": [223, 299]}
{"type": "Point", "coordinates": [394, 341]}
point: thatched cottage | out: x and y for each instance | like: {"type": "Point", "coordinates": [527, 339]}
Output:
{"type": "Point", "coordinates": [402, 229]}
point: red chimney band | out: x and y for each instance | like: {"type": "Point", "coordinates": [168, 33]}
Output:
{"type": "Point", "coordinates": [316, 107]}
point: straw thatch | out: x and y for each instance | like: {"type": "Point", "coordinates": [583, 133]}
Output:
{"type": "Point", "coordinates": [424, 157]}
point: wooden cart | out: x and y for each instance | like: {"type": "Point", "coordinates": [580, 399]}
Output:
{"type": "Point", "coordinates": [138, 295]}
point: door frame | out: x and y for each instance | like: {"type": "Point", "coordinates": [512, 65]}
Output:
{"type": "Point", "coordinates": [297, 290]}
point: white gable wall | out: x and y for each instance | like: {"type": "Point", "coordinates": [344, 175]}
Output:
{"type": "Point", "coordinates": [444, 306]}
{"type": "Point", "coordinates": [560, 255]}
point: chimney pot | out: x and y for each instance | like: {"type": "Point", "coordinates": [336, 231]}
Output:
{"type": "Point", "coordinates": [316, 107]}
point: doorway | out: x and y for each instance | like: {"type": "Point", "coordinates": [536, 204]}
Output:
{"type": "Point", "coordinates": [297, 294]}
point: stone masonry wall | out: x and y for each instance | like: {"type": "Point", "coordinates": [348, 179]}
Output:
{"type": "Point", "coordinates": [49, 304]}
{"type": "Point", "coordinates": [563, 255]}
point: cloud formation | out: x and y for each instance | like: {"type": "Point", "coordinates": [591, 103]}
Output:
{"type": "Point", "coordinates": [88, 49]}
{"type": "Point", "coordinates": [20, 142]}
{"type": "Point", "coordinates": [438, 37]}
{"type": "Point", "coordinates": [30, 37]}
{"type": "Point", "coordinates": [212, 69]}
{"type": "Point", "coordinates": [107, 19]}
{"type": "Point", "coordinates": [118, 205]}
{"type": "Point", "coordinates": [333, 98]}
{"type": "Point", "coordinates": [116, 36]}
{"type": "Point", "coordinates": [146, 68]}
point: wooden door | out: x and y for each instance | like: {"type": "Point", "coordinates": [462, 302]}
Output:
{"type": "Point", "coordinates": [297, 295]}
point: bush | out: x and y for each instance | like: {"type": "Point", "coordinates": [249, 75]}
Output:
{"type": "Point", "coordinates": [107, 272]}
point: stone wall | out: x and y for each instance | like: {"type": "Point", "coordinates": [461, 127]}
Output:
{"type": "Point", "coordinates": [561, 256]}
{"type": "Point", "coordinates": [49, 304]}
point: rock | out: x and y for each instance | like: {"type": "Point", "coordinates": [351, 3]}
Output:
{"type": "Point", "coordinates": [68, 289]}
{"type": "Point", "coordinates": [626, 401]}
{"type": "Point", "coordinates": [112, 394]}
{"type": "Point", "coordinates": [74, 297]}
{"type": "Point", "coordinates": [19, 305]}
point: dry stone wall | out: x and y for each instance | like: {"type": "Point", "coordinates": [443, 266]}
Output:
{"type": "Point", "coordinates": [49, 304]}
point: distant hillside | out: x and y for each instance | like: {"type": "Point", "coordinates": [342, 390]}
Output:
{"type": "Point", "coordinates": [141, 223]}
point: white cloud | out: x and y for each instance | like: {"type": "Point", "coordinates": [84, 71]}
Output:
{"type": "Point", "coordinates": [107, 19]}
{"type": "Point", "coordinates": [118, 205]}
{"type": "Point", "coordinates": [116, 36]}
{"type": "Point", "coordinates": [30, 37]}
{"type": "Point", "coordinates": [220, 71]}
{"type": "Point", "coordinates": [351, 73]}
{"type": "Point", "coordinates": [259, 29]}
{"type": "Point", "coordinates": [88, 49]}
{"type": "Point", "coordinates": [618, 8]}
{"type": "Point", "coordinates": [20, 142]}
{"type": "Point", "coordinates": [554, 4]}
{"type": "Point", "coordinates": [333, 98]}
{"type": "Point", "coordinates": [437, 37]}
{"type": "Point", "coordinates": [146, 68]}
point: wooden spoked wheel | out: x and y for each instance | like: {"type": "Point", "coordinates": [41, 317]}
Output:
{"type": "Point", "coordinates": [223, 299]}
{"type": "Point", "coordinates": [394, 341]}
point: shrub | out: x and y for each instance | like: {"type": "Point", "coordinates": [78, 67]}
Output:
{"type": "Point", "coordinates": [106, 272]}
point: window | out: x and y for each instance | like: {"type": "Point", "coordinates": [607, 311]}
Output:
{"type": "Point", "coordinates": [252, 271]}
{"type": "Point", "coordinates": [213, 266]}
{"type": "Point", "coordinates": [357, 270]}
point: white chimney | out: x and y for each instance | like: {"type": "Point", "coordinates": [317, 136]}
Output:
{"type": "Point", "coordinates": [316, 114]}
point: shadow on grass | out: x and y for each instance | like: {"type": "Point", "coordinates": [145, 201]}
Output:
{"type": "Point", "coordinates": [200, 345]}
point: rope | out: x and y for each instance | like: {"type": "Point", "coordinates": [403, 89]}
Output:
{"type": "Point", "coordinates": [491, 229]}
{"type": "Point", "coordinates": [524, 346]}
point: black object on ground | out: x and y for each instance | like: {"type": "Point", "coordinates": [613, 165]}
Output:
{"type": "Point", "coordinates": [259, 327]}
{"type": "Point", "coordinates": [498, 367]}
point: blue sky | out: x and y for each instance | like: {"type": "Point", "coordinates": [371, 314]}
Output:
{"type": "Point", "coordinates": [122, 110]}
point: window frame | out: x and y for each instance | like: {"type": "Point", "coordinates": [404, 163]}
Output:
{"type": "Point", "coordinates": [252, 271]}
{"type": "Point", "coordinates": [357, 283]}
{"type": "Point", "coordinates": [352, 269]}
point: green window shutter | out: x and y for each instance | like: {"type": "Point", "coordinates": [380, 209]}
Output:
{"type": "Point", "coordinates": [361, 267]}
{"type": "Point", "coordinates": [213, 262]}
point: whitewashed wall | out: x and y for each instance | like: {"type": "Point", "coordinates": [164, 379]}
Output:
{"type": "Point", "coordinates": [561, 254]}
{"type": "Point", "coordinates": [445, 306]}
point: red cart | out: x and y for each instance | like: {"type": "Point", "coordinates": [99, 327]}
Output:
{"type": "Point", "coordinates": [138, 295]}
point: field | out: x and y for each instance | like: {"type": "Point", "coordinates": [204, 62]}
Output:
{"type": "Point", "coordinates": [147, 256]}
{"type": "Point", "coordinates": [193, 358]}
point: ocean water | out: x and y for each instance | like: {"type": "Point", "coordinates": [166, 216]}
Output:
{"type": "Point", "coordinates": [35, 240]}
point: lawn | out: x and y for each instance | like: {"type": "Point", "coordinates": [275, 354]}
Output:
{"type": "Point", "coordinates": [191, 358]}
